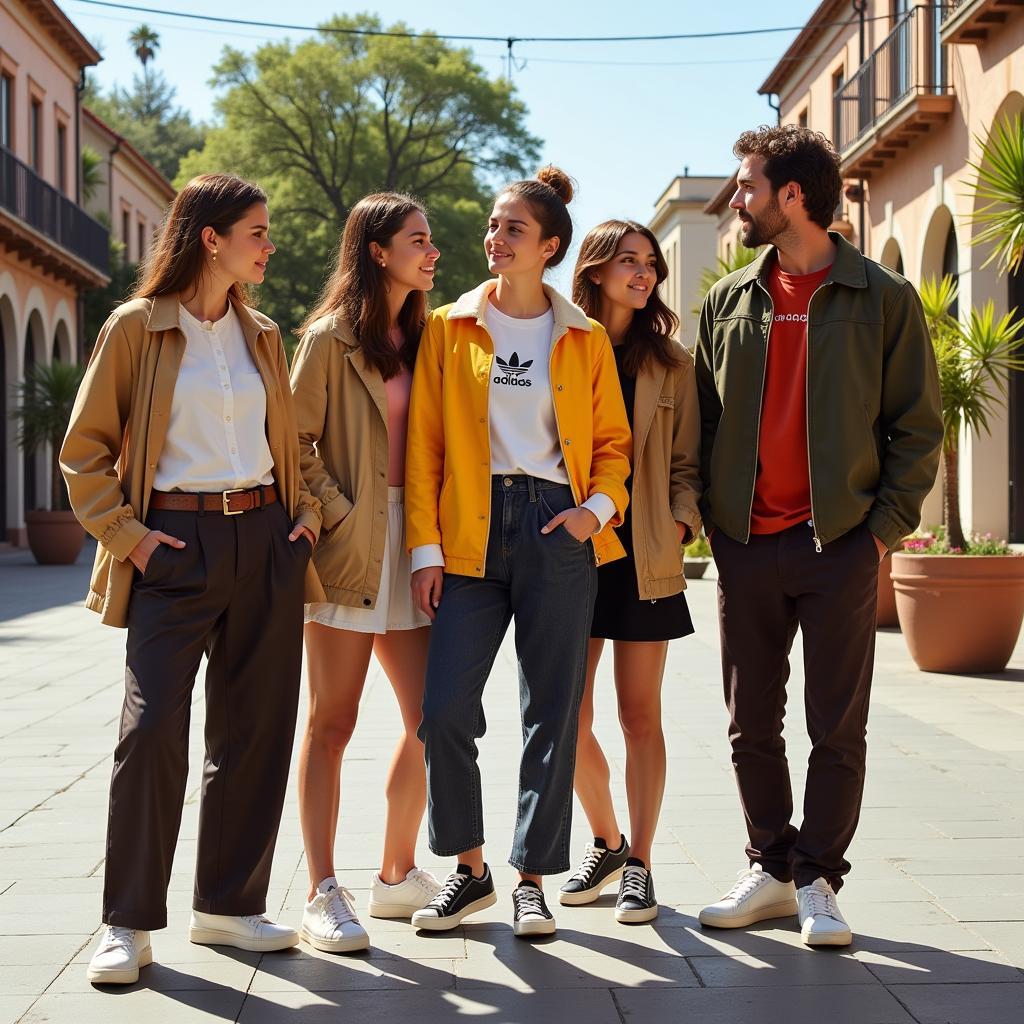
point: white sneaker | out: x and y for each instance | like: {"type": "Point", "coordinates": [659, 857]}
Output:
{"type": "Point", "coordinates": [403, 898]}
{"type": "Point", "coordinates": [251, 931]}
{"type": "Point", "coordinates": [120, 954]}
{"type": "Point", "coordinates": [329, 922]}
{"type": "Point", "coordinates": [757, 896]}
{"type": "Point", "coordinates": [821, 921]}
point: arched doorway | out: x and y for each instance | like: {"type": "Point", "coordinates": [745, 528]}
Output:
{"type": "Point", "coordinates": [32, 475]}
{"type": "Point", "coordinates": [891, 256]}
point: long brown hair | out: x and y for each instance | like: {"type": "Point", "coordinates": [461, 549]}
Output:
{"type": "Point", "coordinates": [650, 331]}
{"type": "Point", "coordinates": [357, 286]}
{"type": "Point", "coordinates": [178, 259]}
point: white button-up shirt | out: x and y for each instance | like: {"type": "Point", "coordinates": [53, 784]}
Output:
{"type": "Point", "coordinates": [216, 436]}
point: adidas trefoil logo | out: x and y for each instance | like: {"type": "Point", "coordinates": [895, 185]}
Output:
{"type": "Point", "coordinates": [514, 371]}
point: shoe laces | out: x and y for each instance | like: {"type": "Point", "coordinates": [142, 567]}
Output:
{"type": "Point", "coordinates": [749, 881]}
{"type": "Point", "coordinates": [116, 937]}
{"type": "Point", "coordinates": [340, 907]}
{"type": "Point", "coordinates": [255, 920]}
{"type": "Point", "coordinates": [591, 858]}
{"type": "Point", "coordinates": [452, 886]}
{"type": "Point", "coordinates": [424, 879]}
{"type": "Point", "coordinates": [821, 902]}
{"type": "Point", "coordinates": [528, 900]}
{"type": "Point", "coordinates": [634, 883]}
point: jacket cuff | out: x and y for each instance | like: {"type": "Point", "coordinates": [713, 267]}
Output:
{"type": "Point", "coordinates": [688, 516]}
{"type": "Point", "coordinates": [310, 520]}
{"type": "Point", "coordinates": [427, 555]}
{"type": "Point", "coordinates": [887, 530]}
{"type": "Point", "coordinates": [335, 510]}
{"type": "Point", "coordinates": [122, 541]}
{"type": "Point", "coordinates": [602, 506]}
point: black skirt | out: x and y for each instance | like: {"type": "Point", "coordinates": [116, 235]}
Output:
{"type": "Point", "coordinates": [621, 614]}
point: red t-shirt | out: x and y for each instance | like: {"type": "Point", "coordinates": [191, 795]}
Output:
{"type": "Point", "coordinates": [782, 490]}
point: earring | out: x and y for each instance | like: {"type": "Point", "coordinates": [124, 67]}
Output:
{"type": "Point", "coordinates": [383, 265]}
{"type": "Point", "coordinates": [214, 255]}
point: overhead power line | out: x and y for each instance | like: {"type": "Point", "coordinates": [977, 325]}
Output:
{"type": "Point", "coordinates": [507, 40]}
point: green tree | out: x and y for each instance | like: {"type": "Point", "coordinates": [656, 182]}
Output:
{"type": "Point", "coordinates": [321, 123]}
{"type": "Point", "coordinates": [146, 114]}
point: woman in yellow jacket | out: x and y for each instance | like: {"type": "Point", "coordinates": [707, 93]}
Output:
{"type": "Point", "coordinates": [517, 459]}
{"type": "Point", "coordinates": [351, 377]}
{"type": "Point", "coordinates": [640, 603]}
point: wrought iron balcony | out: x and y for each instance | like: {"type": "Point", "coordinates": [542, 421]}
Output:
{"type": "Point", "coordinates": [899, 92]}
{"type": "Point", "coordinates": [971, 21]}
{"type": "Point", "coordinates": [49, 229]}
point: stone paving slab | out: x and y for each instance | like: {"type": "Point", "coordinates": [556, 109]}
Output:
{"type": "Point", "coordinates": [936, 897]}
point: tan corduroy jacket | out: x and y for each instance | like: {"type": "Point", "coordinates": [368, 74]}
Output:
{"type": "Point", "coordinates": [342, 412]}
{"type": "Point", "coordinates": [666, 472]}
{"type": "Point", "coordinates": [119, 423]}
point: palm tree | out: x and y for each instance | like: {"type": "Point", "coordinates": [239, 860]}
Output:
{"type": "Point", "coordinates": [145, 42]}
{"type": "Point", "coordinates": [973, 361]}
{"type": "Point", "coordinates": [739, 258]}
{"type": "Point", "coordinates": [1000, 184]}
{"type": "Point", "coordinates": [92, 173]}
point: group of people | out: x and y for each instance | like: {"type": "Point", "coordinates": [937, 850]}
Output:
{"type": "Point", "coordinates": [419, 479]}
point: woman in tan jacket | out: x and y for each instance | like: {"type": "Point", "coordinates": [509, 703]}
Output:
{"type": "Point", "coordinates": [181, 459]}
{"type": "Point", "coordinates": [640, 603]}
{"type": "Point", "coordinates": [351, 376]}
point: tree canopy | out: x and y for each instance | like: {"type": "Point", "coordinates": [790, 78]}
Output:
{"type": "Point", "coordinates": [321, 123]}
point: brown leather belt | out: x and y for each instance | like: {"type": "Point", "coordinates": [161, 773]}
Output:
{"type": "Point", "coordinates": [229, 503]}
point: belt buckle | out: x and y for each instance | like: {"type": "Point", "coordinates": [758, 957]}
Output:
{"type": "Point", "coordinates": [225, 495]}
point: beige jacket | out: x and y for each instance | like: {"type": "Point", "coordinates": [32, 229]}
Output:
{"type": "Point", "coordinates": [342, 412]}
{"type": "Point", "coordinates": [119, 423]}
{"type": "Point", "coordinates": [666, 473]}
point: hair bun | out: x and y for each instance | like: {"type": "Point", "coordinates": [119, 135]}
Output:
{"type": "Point", "coordinates": [557, 179]}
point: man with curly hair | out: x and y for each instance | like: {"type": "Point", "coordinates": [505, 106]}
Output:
{"type": "Point", "coordinates": [820, 434]}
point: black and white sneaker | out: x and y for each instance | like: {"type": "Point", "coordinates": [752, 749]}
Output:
{"type": "Point", "coordinates": [530, 914]}
{"type": "Point", "coordinates": [600, 868]}
{"type": "Point", "coordinates": [636, 902]}
{"type": "Point", "coordinates": [461, 895]}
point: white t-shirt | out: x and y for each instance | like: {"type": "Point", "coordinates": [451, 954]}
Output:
{"type": "Point", "coordinates": [216, 433]}
{"type": "Point", "coordinates": [524, 433]}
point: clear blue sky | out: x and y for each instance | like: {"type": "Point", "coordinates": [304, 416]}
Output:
{"type": "Point", "coordinates": [622, 118]}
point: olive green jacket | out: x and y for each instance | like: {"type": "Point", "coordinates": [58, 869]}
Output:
{"type": "Point", "coordinates": [874, 427]}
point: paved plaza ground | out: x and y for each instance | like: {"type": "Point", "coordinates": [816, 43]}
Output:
{"type": "Point", "coordinates": [936, 897]}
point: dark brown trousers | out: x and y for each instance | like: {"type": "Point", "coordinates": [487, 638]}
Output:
{"type": "Point", "coordinates": [234, 593]}
{"type": "Point", "coordinates": [766, 589]}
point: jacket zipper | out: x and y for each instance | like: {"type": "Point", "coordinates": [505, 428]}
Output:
{"type": "Point", "coordinates": [487, 441]}
{"type": "Point", "coordinates": [807, 419]}
{"type": "Point", "coordinates": [760, 405]}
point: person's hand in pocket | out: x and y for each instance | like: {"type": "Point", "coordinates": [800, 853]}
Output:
{"type": "Point", "coordinates": [581, 523]}
{"type": "Point", "coordinates": [143, 551]}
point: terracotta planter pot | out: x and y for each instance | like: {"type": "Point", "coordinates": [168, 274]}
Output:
{"type": "Point", "coordinates": [694, 568]}
{"type": "Point", "coordinates": [959, 613]}
{"type": "Point", "coordinates": [55, 538]}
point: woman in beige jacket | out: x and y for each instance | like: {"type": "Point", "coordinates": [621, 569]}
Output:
{"type": "Point", "coordinates": [640, 603]}
{"type": "Point", "coordinates": [351, 378]}
{"type": "Point", "coordinates": [181, 459]}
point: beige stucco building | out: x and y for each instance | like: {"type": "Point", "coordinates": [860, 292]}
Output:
{"type": "Point", "coordinates": [132, 196]}
{"type": "Point", "coordinates": [687, 237]}
{"type": "Point", "coordinates": [905, 99]}
{"type": "Point", "coordinates": [51, 250]}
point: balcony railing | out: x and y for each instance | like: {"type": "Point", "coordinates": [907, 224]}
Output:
{"type": "Point", "coordinates": [971, 21]}
{"type": "Point", "coordinates": [910, 62]}
{"type": "Point", "coordinates": [37, 203]}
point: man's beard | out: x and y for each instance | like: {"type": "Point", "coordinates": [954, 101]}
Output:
{"type": "Point", "coordinates": [764, 230]}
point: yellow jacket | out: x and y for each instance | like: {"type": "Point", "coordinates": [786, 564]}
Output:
{"type": "Point", "coordinates": [448, 465]}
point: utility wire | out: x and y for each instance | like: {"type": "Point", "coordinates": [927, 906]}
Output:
{"type": "Point", "coordinates": [508, 40]}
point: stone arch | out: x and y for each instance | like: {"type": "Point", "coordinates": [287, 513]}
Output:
{"type": "Point", "coordinates": [933, 252]}
{"type": "Point", "coordinates": [35, 352]}
{"type": "Point", "coordinates": [9, 457]}
{"type": "Point", "coordinates": [892, 256]}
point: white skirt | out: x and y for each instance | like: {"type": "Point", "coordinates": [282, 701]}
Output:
{"type": "Point", "coordinates": [394, 608]}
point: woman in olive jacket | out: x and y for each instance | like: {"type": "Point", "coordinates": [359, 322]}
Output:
{"type": "Point", "coordinates": [640, 603]}
{"type": "Point", "coordinates": [351, 377]}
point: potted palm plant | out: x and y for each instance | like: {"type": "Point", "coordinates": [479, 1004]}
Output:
{"type": "Point", "coordinates": [960, 605]}
{"type": "Point", "coordinates": [44, 401]}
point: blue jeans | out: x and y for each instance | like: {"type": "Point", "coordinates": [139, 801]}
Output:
{"type": "Point", "coordinates": [547, 583]}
